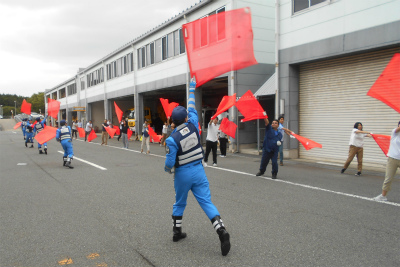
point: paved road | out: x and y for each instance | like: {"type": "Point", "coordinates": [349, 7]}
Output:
{"type": "Point", "coordinates": [121, 215]}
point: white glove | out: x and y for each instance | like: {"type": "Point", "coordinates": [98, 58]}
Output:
{"type": "Point", "coordinates": [278, 143]}
{"type": "Point", "coordinates": [291, 136]}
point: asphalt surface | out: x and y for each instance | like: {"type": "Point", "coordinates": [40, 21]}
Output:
{"type": "Point", "coordinates": [121, 215]}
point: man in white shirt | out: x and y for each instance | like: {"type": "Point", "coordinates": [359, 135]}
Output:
{"type": "Point", "coordinates": [393, 163]}
{"type": "Point", "coordinates": [212, 141]}
{"type": "Point", "coordinates": [88, 129]}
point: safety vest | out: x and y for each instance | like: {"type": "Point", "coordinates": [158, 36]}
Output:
{"type": "Point", "coordinates": [65, 133]}
{"type": "Point", "coordinates": [189, 148]}
{"type": "Point", "coordinates": [39, 127]}
{"type": "Point", "coordinates": [29, 127]}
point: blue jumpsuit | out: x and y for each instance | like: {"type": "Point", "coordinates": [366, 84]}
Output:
{"type": "Point", "coordinates": [39, 126]}
{"type": "Point", "coordinates": [29, 133]}
{"type": "Point", "coordinates": [270, 149]}
{"type": "Point", "coordinates": [189, 176]}
{"type": "Point", "coordinates": [23, 127]}
{"type": "Point", "coordinates": [63, 135]}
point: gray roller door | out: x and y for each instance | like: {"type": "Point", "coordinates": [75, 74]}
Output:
{"type": "Point", "coordinates": [333, 96]}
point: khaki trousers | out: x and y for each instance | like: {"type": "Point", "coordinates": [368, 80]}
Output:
{"type": "Point", "coordinates": [104, 137]}
{"type": "Point", "coordinates": [355, 151]}
{"type": "Point", "coordinates": [391, 168]}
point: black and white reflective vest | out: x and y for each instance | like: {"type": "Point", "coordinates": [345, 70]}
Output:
{"type": "Point", "coordinates": [188, 141]}
{"type": "Point", "coordinates": [65, 133]}
{"type": "Point", "coordinates": [39, 127]}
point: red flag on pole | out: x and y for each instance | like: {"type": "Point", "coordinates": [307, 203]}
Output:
{"type": "Point", "coordinates": [17, 125]}
{"type": "Point", "coordinates": [26, 107]}
{"type": "Point", "coordinates": [118, 111]}
{"type": "Point", "coordinates": [307, 143]}
{"type": "Point", "coordinates": [153, 135]}
{"type": "Point", "coordinates": [199, 129]}
{"type": "Point", "coordinates": [250, 108]}
{"type": "Point", "coordinates": [168, 107]}
{"type": "Point", "coordinates": [219, 43]}
{"type": "Point", "coordinates": [117, 130]}
{"type": "Point", "coordinates": [92, 136]}
{"type": "Point", "coordinates": [81, 132]}
{"type": "Point", "coordinates": [383, 142]}
{"type": "Point", "coordinates": [46, 134]}
{"type": "Point", "coordinates": [387, 87]}
{"type": "Point", "coordinates": [228, 127]}
{"type": "Point", "coordinates": [110, 131]}
{"type": "Point", "coordinates": [129, 132]}
{"type": "Point", "coordinates": [226, 103]}
{"type": "Point", "coordinates": [53, 107]}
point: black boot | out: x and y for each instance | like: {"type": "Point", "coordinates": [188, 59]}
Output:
{"type": "Point", "coordinates": [223, 235]}
{"type": "Point", "coordinates": [177, 228]}
{"type": "Point", "coordinates": [40, 151]}
{"type": "Point", "coordinates": [65, 160]}
{"type": "Point", "coordinates": [68, 163]}
{"type": "Point", "coordinates": [45, 150]}
{"type": "Point", "coordinates": [26, 144]}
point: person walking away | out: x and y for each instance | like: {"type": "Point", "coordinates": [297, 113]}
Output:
{"type": "Point", "coordinates": [88, 129]}
{"type": "Point", "coordinates": [223, 140]}
{"type": "Point", "coordinates": [281, 120]}
{"type": "Point", "coordinates": [393, 163]}
{"type": "Point", "coordinates": [356, 147]}
{"type": "Point", "coordinates": [64, 136]}
{"type": "Point", "coordinates": [37, 128]}
{"type": "Point", "coordinates": [185, 153]}
{"type": "Point", "coordinates": [23, 127]}
{"type": "Point", "coordinates": [104, 134]}
{"type": "Point", "coordinates": [124, 134]}
{"type": "Point", "coordinates": [145, 137]}
{"type": "Point", "coordinates": [74, 129]}
{"type": "Point", "coordinates": [212, 141]}
{"type": "Point", "coordinates": [29, 133]}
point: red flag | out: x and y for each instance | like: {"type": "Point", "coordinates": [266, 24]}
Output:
{"type": "Point", "coordinates": [383, 142]}
{"type": "Point", "coordinates": [110, 131]}
{"type": "Point", "coordinates": [307, 143]}
{"type": "Point", "coordinates": [118, 111]}
{"type": "Point", "coordinates": [199, 129]}
{"type": "Point", "coordinates": [226, 103]}
{"type": "Point", "coordinates": [219, 43]}
{"type": "Point", "coordinates": [33, 124]}
{"type": "Point", "coordinates": [92, 136]}
{"type": "Point", "coordinates": [46, 134]}
{"type": "Point", "coordinates": [168, 107]}
{"type": "Point", "coordinates": [117, 130]}
{"type": "Point", "coordinates": [17, 125]}
{"type": "Point", "coordinates": [26, 107]}
{"type": "Point", "coordinates": [53, 107]}
{"type": "Point", "coordinates": [153, 134]}
{"type": "Point", "coordinates": [81, 132]}
{"type": "Point", "coordinates": [228, 127]}
{"type": "Point", "coordinates": [387, 87]}
{"type": "Point", "coordinates": [250, 108]}
{"type": "Point", "coordinates": [129, 133]}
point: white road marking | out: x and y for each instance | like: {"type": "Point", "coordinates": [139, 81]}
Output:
{"type": "Point", "coordinates": [87, 162]}
{"type": "Point", "coordinates": [22, 164]}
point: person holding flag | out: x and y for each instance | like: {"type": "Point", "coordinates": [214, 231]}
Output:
{"type": "Point", "coordinates": [23, 127]}
{"type": "Point", "coordinates": [38, 127]}
{"type": "Point", "coordinates": [185, 153]}
{"type": "Point", "coordinates": [64, 136]}
{"type": "Point", "coordinates": [29, 133]}
{"type": "Point", "coordinates": [393, 163]}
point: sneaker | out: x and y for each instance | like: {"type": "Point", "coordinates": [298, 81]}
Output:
{"type": "Point", "coordinates": [205, 164]}
{"type": "Point", "coordinates": [214, 164]}
{"type": "Point", "coordinates": [380, 198]}
{"type": "Point", "coordinates": [358, 174]}
{"type": "Point", "coordinates": [222, 156]}
{"type": "Point", "coordinates": [342, 171]}
{"type": "Point", "coordinates": [274, 176]}
{"type": "Point", "coordinates": [259, 173]}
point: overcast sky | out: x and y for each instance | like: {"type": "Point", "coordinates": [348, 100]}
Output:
{"type": "Point", "coordinates": [45, 42]}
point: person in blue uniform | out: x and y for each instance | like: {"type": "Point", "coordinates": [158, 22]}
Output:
{"type": "Point", "coordinates": [23, 127]}
{"type": "Point", "coordinates": [271, 144]}
{"type": "Point", "coordinates": [37, 128]}
{"type": "Point", "coordinates": [64, 136]}
{"type": "Point", "coordinates": [185, 153]}
{"type": "Point", "coordinates": [29, 133]}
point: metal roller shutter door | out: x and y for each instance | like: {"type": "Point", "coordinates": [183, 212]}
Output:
{"type": "Point", "coordinates": [333, 96]}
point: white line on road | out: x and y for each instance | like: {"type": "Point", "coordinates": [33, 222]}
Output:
{"type": "Point", "coordinates": [87, 162]}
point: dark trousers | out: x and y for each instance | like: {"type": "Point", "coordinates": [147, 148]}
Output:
{"type": "Point", "coordinates": [266, 156]}
{"type": "Point", "coordinates": [222, 145]}
{"type": "Point", "coordinates": [86, 134]}
{"type": "Point", "coordinates": [211, 146]}
{"type": "Point", "coordinates": [74, 132]}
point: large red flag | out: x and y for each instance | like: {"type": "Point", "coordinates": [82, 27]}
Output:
{"type": "Point", "coordinates": [26, 107]}
{"type": "Point", "coordinates": [17, 125]}
{"type": "Point", "coordinates": [387, 87]}
{"type": "Point", "coordinates": [153, 135]}
{"type": "Point", "coordinates": [250, 108]}
{"type": "Point", "coordinates": [219, 43]}
{"type": "Point", "coordinates": [53, 107]}
{"type": "Point", "coordinates": [81, 132]}
{"type": "Point", "coordinates": [168, 107]}
{"type": "Point", "coordinates": [129, 133]}
{"type": "Point", "coordinates": [46, 134]}
{"type": "Point", "coordinates": [92, 136]}
{"type": "Point", "coordinates": [307, 143]}
{"type": "Point", "coordinates": [226, 103]}
{"type": "Point", "coordinates": [118, 111]}
{"type": "Point", "coordinates": [110, 131]}
{"type": "Point", "coordinates": [383, 142]}
{"type": "Point", "coordinates": [228, 127]}
{"type": "Point", "coordinates": [117, 130]}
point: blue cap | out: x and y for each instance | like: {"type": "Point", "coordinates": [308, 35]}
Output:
{"type": "Point", "coordinates": [179, 114]}
{"type": "Point", "coordinates": [62, 122]}
{"type": "Point", "coordinates": [38, 119]}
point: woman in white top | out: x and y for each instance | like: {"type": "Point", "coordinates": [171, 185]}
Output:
{"type": "Point", "coordinates": [74, 130]}
{"type": "Point", "coordinates": [212, 141]}
{"type": "Point", "coordinates": [356, 146]}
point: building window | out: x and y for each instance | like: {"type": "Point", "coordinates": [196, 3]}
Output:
{"type": "Point", "coordinates": [170, 45]}
{"type": "Point", "coordinates": [82, 83]}
{"type": "Point", "coordinates": [71, 89]}
{"type": "Point", "coordinates": [164, 47]}
{"type": "Point", "coordinates": [157, 49]}
{"type": "Point", "coordinates": [181, 41]}
{"type": "Point", "coordinates": [62, 93]}
{"type": "Point", "coordinates": [299, 5]}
